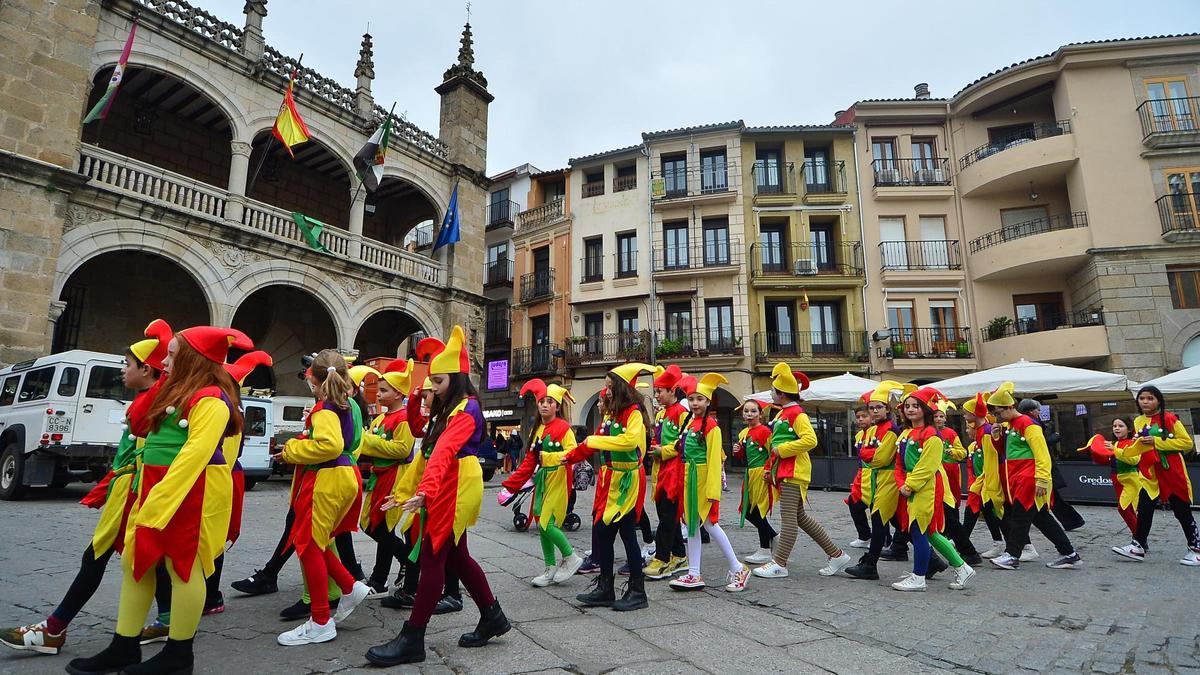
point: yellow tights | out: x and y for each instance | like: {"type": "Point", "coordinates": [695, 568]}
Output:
{"type": "Point", "coordinates": [187, 600]}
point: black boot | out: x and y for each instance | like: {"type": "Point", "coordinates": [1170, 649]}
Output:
{"type": "Point", "coordinates": [174, 659]}
{"type": "Point", "coordinates": [259, 583]}
{"type": "Point", "coordinates": [634, 597]}
{"type": "Point", "coordinates": [865, 569]}
{"type": "Point", "coordinates": [399, 599]}
{"type": "Point", "coordinates": [894, 553]}
{"type": "Point", "coordinates": [601, 595]}
{"type": "Point", "coordinates": [407, 647]}
{"type": "Point", "coordinates": [121, 653]}
{"type": "Point", "coordinates": [492, 623]}
{"type": "Point", "coordinates": [936, 566]}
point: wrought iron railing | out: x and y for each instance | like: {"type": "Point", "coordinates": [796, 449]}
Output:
{"type": "Point", "coordinates": [535, 360]}
{"type": "Point", "coordinates": [911, 171]}
{"type": "Point", "coordinates": [1170, 116]}
{"type": "Point", "coordinates": [537, 285]}
{"type": "Point", "coordinates": [498, 272]}
{"type": "Point", "coordinates": [699, 342]}
{"type": "Point", "coordinates": [925, 343]}
{"type": "Point", "coordinates": [1044, 321]}
{"type": "Point", "coordinates": [774, 178]}
{"type": "Point", "coordinates": [1032, 133]}
{"type": "Point", "coordinates": [585, 350]}
{"type": "Point", "coordinates": [1061, 221]}
{"type": "Point", "coordinates": [823, 176]}
{"type": "Point", "coordinates": [497, 332]}
{"type": "Point", "coordinates": [1179, 212]}
{"type": "Point", "coordinates": [626, 263]}
{"type": "Point", "coordinates": [811, 346]}
{"type": "Point", "coordinates": [920, 255]}
{"type": "Point", "coordinates": [806, 260]}
{"type": "Point", "coordinates": [502, 213]}
{"type": "Point", "coordinates": [593, 268]}
{"type": "Point", "coordinates": [714, 253]}
{"type": "Point", "coordinates": [693, 181]}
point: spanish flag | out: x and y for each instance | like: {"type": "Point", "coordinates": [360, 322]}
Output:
{"type": "Point", "coordinates": [289, 128]}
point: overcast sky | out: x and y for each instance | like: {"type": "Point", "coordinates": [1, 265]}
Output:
{"type": "Point", "coordinates": [571, 78]}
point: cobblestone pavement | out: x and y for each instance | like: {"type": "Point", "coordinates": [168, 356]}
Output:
{"type": "Point", "coordinates": [1111, 616]}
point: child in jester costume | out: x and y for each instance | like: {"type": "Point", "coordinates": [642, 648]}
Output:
{"type": "Point", "coordinates": [854, 501]}
{"type": "Point", "coordinates": [758, 495]}
{"type": "Point", "coordinates": [952, 464]}
{"type": "Point", "coordinates": [984, 492]}
{"type": "Point", "coordinates": [1120, 455]}
{"type": "Point", "coordinates": [666, 475]}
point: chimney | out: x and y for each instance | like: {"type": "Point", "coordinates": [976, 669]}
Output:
{"type": "Point", "coordinates": [922, 90]}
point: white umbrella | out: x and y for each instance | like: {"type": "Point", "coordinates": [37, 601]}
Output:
{"type": "Point", "coordinates": [842, 389]}
{"type": "Point", "coordinates": [1180, 382]}
{"type": "Point", "coordinates": [1031, 377]}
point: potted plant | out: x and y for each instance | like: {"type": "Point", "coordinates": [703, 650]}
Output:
{"type": "Point", "coordinates": [962, 349]}
{"type": "Point", "coordinates": [997, 327]}
{"type": "Point", "coordinates": [669, 347]}
{"type": "Point", "coordinates": [898, 350]}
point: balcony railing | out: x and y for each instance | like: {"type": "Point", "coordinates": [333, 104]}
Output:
{"type": "Point", "coordinates": [502, 213]}
{"type": "Point", "coordinates": [626, 264]}
{"type": "Point", "coordinates": [774, 178]}
{"type": "Point", "coordinates": [930, 343]}
{"type": "Point", "coordinates": [824, 177]}
{"type": "Point", "coordinates": [609, 348]}
{"type": "Point", "coordinates": [693, 181]}
{"type": "Point", "coordinates": [1170, 116]}
{"type": "Point", "coordinates": [696, 256]}
{"type": "Point", "coordinates": [1062, 221]}
{"type": "Point", "coordinates": [593, 268]}
{"type": "Point", "coordinates": [904, 172]}
{"type": "Point", "coordinates": [593, 189]}
{"type": "Point", "coordinates": [920, 255]}
{"type": "Point", "coordinates": [811, 346]}
{"type": "Point", "coordinates": [536, 360]}
{"type": "Point", "coordinates": [497, 333]}
{"type": "Point", "coordinates": [806, 260]}
{"type": "Point", "coordinates": [128, 176]}
{"type": "Point", "coordinates": [540, 215]}
{"type": "Point", "coordinates": [1179, 212]}
{"type": "Point", "coordinates": [537, 285]}
{"type": "Point", "coordinates": [699, 343]}
{"type": "Point", "coordinates": [1032, 133]}
{"type": "Point", "coordinates": [498, 272]}
{"type": "Point", "coordinates": [1044, 322]}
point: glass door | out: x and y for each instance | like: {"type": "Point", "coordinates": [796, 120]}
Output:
{"type": "Point", "coordinates": [1170, 106]}
{"type": "Point", "coordinates": [781, 335]}
{"type": "Point", "coordinates": [823, 249]}
{"type": "Point", "coordinates": [825, 320]}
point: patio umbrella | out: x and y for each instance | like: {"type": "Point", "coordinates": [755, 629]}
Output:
{"type": "Point", "coordinates": [1033, 378]}
{"type": "Point", "coordinates": [1184, 382]}
{"type": "Point", "coordinates": [842, 390]}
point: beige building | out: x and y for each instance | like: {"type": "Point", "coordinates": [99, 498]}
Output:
{"type": "Point", "coordinates": [1069, 190]}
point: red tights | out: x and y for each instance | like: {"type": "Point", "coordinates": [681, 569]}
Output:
{"type": "Point", "coordinates": [318, 566]}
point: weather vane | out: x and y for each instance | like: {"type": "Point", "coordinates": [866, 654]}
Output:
{"type": "Point", "coordinates": [468, 12]}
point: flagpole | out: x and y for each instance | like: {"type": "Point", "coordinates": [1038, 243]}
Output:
{"type": "Point", "coordinates": [271, 139]}
{"type": "Point", "coordinates": [362, 182]}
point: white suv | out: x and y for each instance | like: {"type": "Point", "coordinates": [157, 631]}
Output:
{"type": "Point", "coordinates": [61, 418]}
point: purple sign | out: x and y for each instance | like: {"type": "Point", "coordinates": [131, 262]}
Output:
{"type": "Point", "coordinates": [497, 375]}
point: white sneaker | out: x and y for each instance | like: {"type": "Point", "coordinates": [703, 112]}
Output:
{"type": "Point", "coordinates": [737, 580]}
{"type": "Point", "coordinates": [995, 551]}
{"type": "Point", "coordinates": [759, 557]}
{"type": "Point", "coordinates": [771, 570]}
{"type": "Point", "coordinates": [546, 578]}
{"type": "Point", "coordinates": [567, 568]}
{"type": "Point", "coordinates": [648, 550]}
{"type": "Point", "coordinates": [961, 576]}
{"type": "Point", "coordinates": [910, 583]}
{"type": "Point", "coordinates": [309, 633]}
{"type": "Point", "coordinates": [1131, 551]}
{"type": "Point", "coordinates": [835, 565]}
{"type": "Point", "coordinates": [1192, 559]}
{"type": "Point", "coordinates": [349, 602]}
{"type": "Point", "coordinates": [1029, 553]}
{"type": "Point", "coordinates": [860, 543]}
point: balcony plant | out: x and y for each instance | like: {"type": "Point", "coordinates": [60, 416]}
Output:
{"type": "Point", "coordinates": [898, 350]}
{"type": "Point", "coordinates": [669, 347]}
{"type": "Point", "coordinates": [962, 349]}
{"type": "Point", "coordinates": [997, 327]}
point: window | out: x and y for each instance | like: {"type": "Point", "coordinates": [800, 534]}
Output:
{"type": "Point", "coordinates": [593, 259]}
{"type": "Point", "coordinates": [900, 321]}
{"type": "Point", "coordinates": [943, 324]}
{"type": "Point", "coordinates": [555, 191]}
{"type": "Point", "coordinates": [883, 151]}
{"type": "Point", "coordinates": [293, 413]}
{"type": "Point", "coordinates": [719, 324]}
{"type": "Point", "coordinates": [593, 183]}
{"type": "Point", "coordinates": [36, 385]}
{"type": "Point", "coordinates": [713, 174]}
{"type": "Point", "coordinates": [674, 173]}
{"type": "Point", "coordinates": [255, 421]}
{"type": "Point", "coordinates": [499, 207]}
{"type": "Point", "coordinates": [9, 393]}
{"type": "Point", "coordinates": [781, 327]}
{"type": "Point", "coordinates": [675, 245]}
{"type": "Point", "coordinates": [497, 252]}
{"type": "Point", "coordinates": [68, 382]}
{"type": "Point", "coordinates": [105, 382]}
{"type": "Point", "coordinates": [498, 329]}
{"type": "Point", "coordinates": [924, 152]}
{"type": "Point", "coordinates": [895, 246]}
{"type": "Point", "coordinates": [767, 171]}
{"type": "Point", "coordinates": [1191, 357]}
{"type": "Point", "coordinates": [934, 252]}
{"type": "Point", "coordinates": [716, 241]}
{"type": "Point", "coordinates": [816, 170]}
{"type": "Point", "coordinates": [823, 250]}
{"type": "Point", "coordinates": [541, 260]}
{"type": "Point", "coordinates": [1170, 108]}
{"type": "Point", "coordinates": [626, 178]}
{"type": "Point", "coordinates": [626, 254]}
{"type": "Point", "coordinates": [1185, 287]}
{"type": "Point", "coordinates": [772, 248]}
{"type": "Point", "coordinates": [627, 326]}
{"type": "Point", "coordinates": [1038, 312]}
{"type": "Point", "coordinates": [540, 353]}
{"type": "Point", "coordinates": [825, 321]}
{"type": "Point", "coordinates": [593, 328]}
{"type": "Point", "coordinates": [499, 265]}
{"type": "Point", "coordinates": [679, 322]}
{"type": "Point", "coordinates": [1183, 206]}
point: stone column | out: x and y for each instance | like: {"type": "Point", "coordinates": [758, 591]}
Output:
{"type": "Point", "coordinates": [252, 36]}
{"type": "Point", "coordinates": [239, 169]}
{"type": "Point", "coordinates": [57, 307]}
{"type": "Point", "coordinates": [358, 209]}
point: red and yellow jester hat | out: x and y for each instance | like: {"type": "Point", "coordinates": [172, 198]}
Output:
{"type": "Point", "coordinates": [688, 384]}
{"type": "Point", "coordinates": [214, 343]}
{"type": "Point", "coordinates": [707, 386]}
{"type": "Point", "coordinates": [1003, 396]}
{"type": "Point", "coordinates": [153, 349]}
{"type": "Point", "coordinates": [977, 406]}
{"type": "Point", "coordinates": [667, 378]}
{"type": "Point", "coordinates": [883, 391]}
{"type": "Point", "coordinates": [428, 348]}
{"type": "Point", "coordinates": [630, 371]}
{"type": "Point", "coordinates": [398, 375]}
{"type": "Point", "coordinates": [453, 359]}
{"type": "Point", "coordinates": [928, 396]}
{"type": "Point", "coordinates": [358, 374]}
{"type": "Point", "coordinates": [541, 390]}
{"type": "Point", "coordinates": [239, 370]}
{"type": "Point", "coordinates": [788, 381]}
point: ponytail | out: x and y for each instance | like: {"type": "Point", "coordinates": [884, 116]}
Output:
{"type": "Point", "coordinates": [334, 385]}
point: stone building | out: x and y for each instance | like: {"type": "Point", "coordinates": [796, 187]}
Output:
{"type": "Point", "coordinates": [180, 205]}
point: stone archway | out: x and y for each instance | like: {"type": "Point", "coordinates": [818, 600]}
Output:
{"type": "Point", "coordinates": [286, 322]}
{"type": "Point", "coordinates": [111, 297]}
{"type": "Point", "coordinates": [395, 209]}
{"type": "Point", "coordinates": [382, 333]}
{"type": "Point", "coordinates": [316, 182]}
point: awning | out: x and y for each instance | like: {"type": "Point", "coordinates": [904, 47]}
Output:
{"type": "Point", "coordinates": [1033, 379]}
{"type": "Point", "coordinates": [1184, 382]}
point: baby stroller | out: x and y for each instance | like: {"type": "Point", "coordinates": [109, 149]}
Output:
{"type": "Point", "coordinates": [522, 517]}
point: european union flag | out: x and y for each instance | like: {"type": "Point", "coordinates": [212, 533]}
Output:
{"type": "Point", "coordinates": [450, 224]}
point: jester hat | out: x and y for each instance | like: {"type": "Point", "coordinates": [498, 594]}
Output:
{"type": "Point", "coordinates": [239, 370]}
{"type": "Point", "coordinates": [453, 359]}
{"type": "Point", "coordinates": [708, 383]}
{"type": "Point", "coordinates": [214, 343]}
{"type": "Point", "coordinates": [1003, 396]}
{"type": "Point", "coordinates": [630, 371]}
{"type": "Point", "coordinates": [359, 373]}
{"type": "Point", "coordinates": [153, 349]}
{"type": "Point", "coordinates": [883, 391]}
{"type": "Point", "coordinates": [667, 378]}
{"type": "Point", "coordinates": [398, 375]}
{"type": "Point", "coordinates": [541, 390]}
{"type": "Point", "coordinates": [788, 381]}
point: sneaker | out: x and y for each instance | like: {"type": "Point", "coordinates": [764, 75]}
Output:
{"type": "Point", "coordinates": [656, 569]}
{"type": "Point", "coordinates": [936, 566]}
{"type": "Point", "coordinates": [567, 568]}
{"type": "Point", "coordinates": [259, 583]}
{"type": "Point", "coordinates": [759, 557]}
{"type": "Point", "coordinates": [688, 582]}
{"type": "Point", "coordinates": [961, 576]}
{"type": "Point", "coordinates": [913, 582]}
{"type": "Point", "coordinates": [300, 610]}
{"type": "Point", "coordinates": [155, 632]}
{"type": "Point", "coordinates": [835, 565]}
{"type": "Point", "coordinates": [399, 599]}
{"type": "Point", "coordinates": [33, 638]}
{"type": "Point", "coordinates": [995, 551]}
{"type": "Point", "coordinates": [771, 570]}
{"type": "Point", "coordinates": [860, 543]}
{"type": "Point", "coordinates": [894, 555]}
{"type": "Point", "coordinates": [349, 602]}
{"type": "Point", "coordinates": [1063, 562]}
{"type": "Point", "coordinates": [379, 589]}
{"type": "Point", "coordinates": [972, 559]}
{"type": "Point", "coordinates": [676, 564]}
{"type": "Point", "coordinates": [448, 605]}
{"type": "Point", "coordinates": [1006, 562]}
{"type": "Point", "coordinates": [308, 633]}
{"type": "Point", "coordinates": [737, 580]}
{"type": "Point", "coordinates": [624, 570]}
{"type": "Point", "coordinates": [648, 550]}
{"type": "Point", "coordinates": [1192, 559]}
{"type": "Point", "coordinates": [1029, 553]}
{"type": "Point", "coordinates": [217, 606]}
{"type": "Point", "coordinates": [589, 566]}
{"type": "Point", "coordinates": [1132, 551]}
{"type": "Point", "coordinates": [545, 578]}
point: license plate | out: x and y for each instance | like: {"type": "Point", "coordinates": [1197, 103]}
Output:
{"type": "Point", "coordinates": [59, 425]}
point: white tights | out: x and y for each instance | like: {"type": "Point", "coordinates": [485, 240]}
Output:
{"type": "Point", "coordinates": [719, 538]}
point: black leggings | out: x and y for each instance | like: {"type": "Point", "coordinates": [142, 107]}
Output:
{"type": "Point", "coordinates": [87, 580]}
{"type": "Point", "coordinates": [1021, 518]}
{"type": "Point", "coordinates": [957, 532]}
{"type": "Point", "coordinates": [995, 526]}
{"type": "Point", "coordinates": [668, 539]}
{"type": "Point", "coordinates": [881, 536]}
{"type": "Point", "coordinates": [387, 546]}
{"type": "Point", "coordinates": [862, 522]}
{"type": "Point", "coordinates": [283, 550]}
{"type": "Point", "coordinates": [765, 532]}
{"type": "Point", "coordinates": [604, 536]}
{"type": "Point", "coordinates": [1183, 513]}
{"type": "Point", "coordinates": [647, 529]}
{"type": "Point", "coordinates": [345, 551]}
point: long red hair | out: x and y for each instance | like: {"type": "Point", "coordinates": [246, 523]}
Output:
{"type": "Point", "coordinates": [191, 372]}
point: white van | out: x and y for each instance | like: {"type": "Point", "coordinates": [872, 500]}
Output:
{"type": "Point", "coordinates": [258, 439]}
{"type": "Point", "coordinates": [61, 419]}
{"type": "Point", "coordinates": [288, 413]}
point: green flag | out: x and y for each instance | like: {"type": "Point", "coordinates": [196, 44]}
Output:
{"type": "Point", "coordinates": [311, 228]}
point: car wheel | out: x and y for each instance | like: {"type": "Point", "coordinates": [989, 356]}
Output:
{"type": "Point", "coordinates": [12, 469]}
